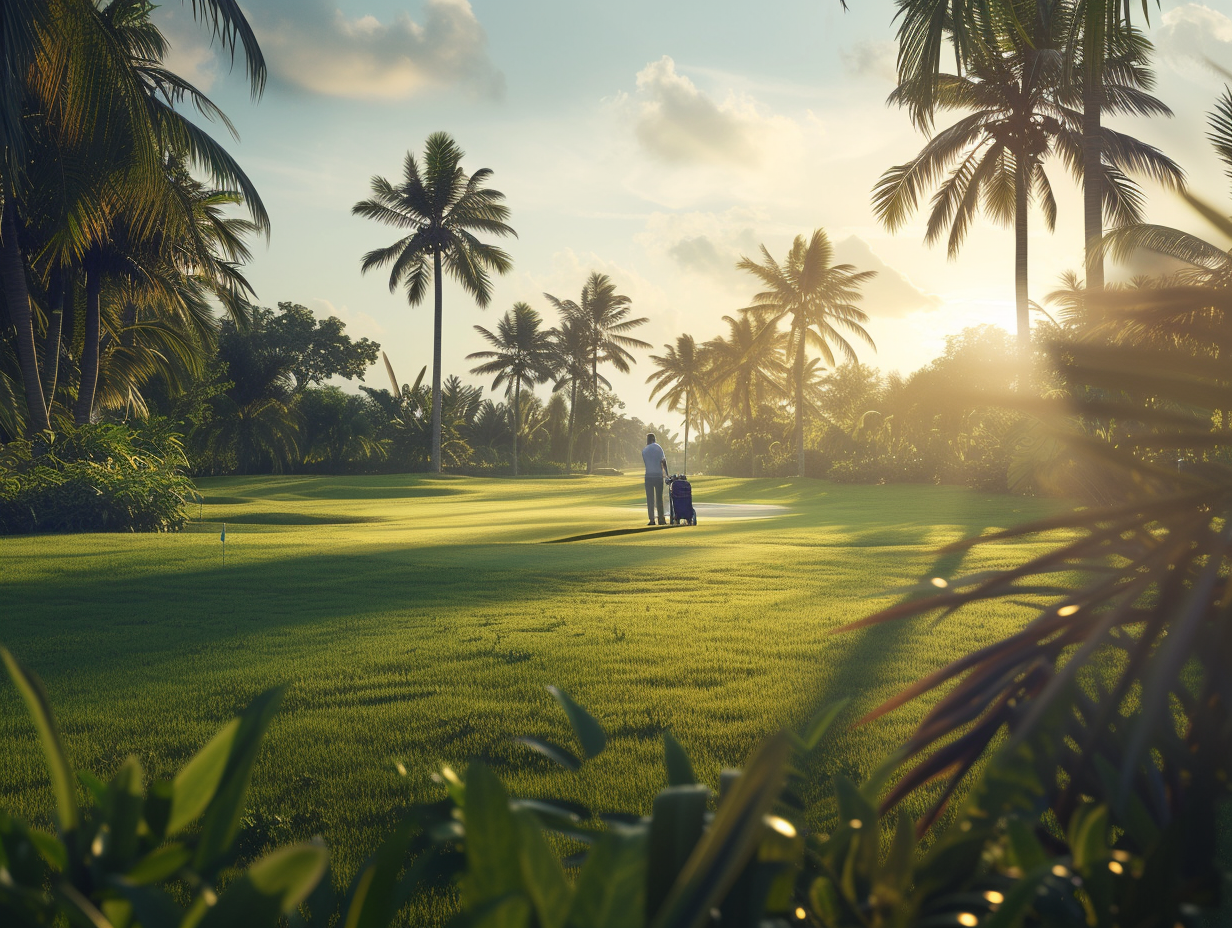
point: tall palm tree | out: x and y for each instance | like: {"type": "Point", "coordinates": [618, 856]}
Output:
{"type": "Point", "coordinates": [571, 347]}
{"type": "Point", "coordinates": [681, 375]}
{"type": "Point", "coordinates": [68, 85]}
{"type": "Point", "coordinates": [749, 362]}
{"type": "Point", "coordinates": [993, 157]}
{"type": "Point", "coordinates": [522, 355]}
{"type": "Point", "coordinates": [1098, 30]}
{"type": "Point", "coordinates": [441, 208]}
{"type": "Point", "coordinates": [819, 297]}
{"type": "Point", "coordinates": [604, 316]}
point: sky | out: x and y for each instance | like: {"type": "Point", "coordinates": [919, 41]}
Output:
{"type": "Point", "coordinates": [656, 141]}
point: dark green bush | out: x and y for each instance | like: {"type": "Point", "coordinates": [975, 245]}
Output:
{"type": "Point", "coordinates": [98, 478]}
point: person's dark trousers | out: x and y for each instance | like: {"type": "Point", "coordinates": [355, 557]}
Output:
{"type": "Point", "coordinates": [654, 497]}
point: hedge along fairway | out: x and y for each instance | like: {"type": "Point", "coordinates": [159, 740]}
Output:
{"type": "Point", "coordinates": [417, 621]}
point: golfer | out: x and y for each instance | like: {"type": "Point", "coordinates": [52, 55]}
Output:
{"type": "Point", "coordinates": [656, 470]}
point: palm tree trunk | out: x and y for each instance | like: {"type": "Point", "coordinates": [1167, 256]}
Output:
{"type": "Point", "coordinates": [55, 325]}
{"type": "Point", "coordinates": [594, 426]}
{"type": "Point", "coordinates": [686, 433]}
{"type": "Point", "coordinates": [1022, 307]}
{"type": "Point", "coordinates": [800, 404]}
{"type": "Point", "coordinates": [436, 366]}
{"type": "Point", "coordinates": [89, 354]}
{"type": "Point", "coordinates": [517, 420]}
{"type": "Point", "coordinates": [1092, 178]}
{"type": "Point", "coordinates": [17, 298]}
{"type": "Point", "coordinates": [572, 408]}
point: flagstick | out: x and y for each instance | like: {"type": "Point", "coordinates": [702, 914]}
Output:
{"type": "Point", "coordinates": [224, 544]}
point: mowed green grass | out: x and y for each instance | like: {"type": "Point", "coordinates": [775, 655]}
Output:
{"type": "Point", "coordinates": [416, 621]}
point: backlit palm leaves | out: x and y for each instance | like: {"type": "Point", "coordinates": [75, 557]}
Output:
{"type": "Point", "coordinates": [441, 209]}
{"type": "Point", "coordinates": [748, 362]}
{"type": "Point", "coordinates": [603, 317]}
{"type": "Point", "coordinates": [522, 355]}
{"type": "Point", "coordinates": [681, 375]}
{"type": "Point", "coordinates": [819, 299]}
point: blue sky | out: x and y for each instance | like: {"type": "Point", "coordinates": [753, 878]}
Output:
{"type": "Point", "coordinates": [653, 141]}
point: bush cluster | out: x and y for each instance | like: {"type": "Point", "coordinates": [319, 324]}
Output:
{"type": "Point", "coordinates": [99, 478]}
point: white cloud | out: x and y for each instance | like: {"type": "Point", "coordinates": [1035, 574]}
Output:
{"type": "Point", "coordinates": [676, 122]}
{"type": "Point", "coordinates": [1194, 37]}
{"type": "Point", "coordinates": [189, 53]}
{"type": "Point", "coordinates": [319, 49]}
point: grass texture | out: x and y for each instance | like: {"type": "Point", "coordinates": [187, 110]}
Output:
{"type": "Point", "coordinates": [417, 620]}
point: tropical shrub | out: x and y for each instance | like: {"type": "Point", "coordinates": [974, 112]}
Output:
{"type": "Point", "coordinates": [98, 478]}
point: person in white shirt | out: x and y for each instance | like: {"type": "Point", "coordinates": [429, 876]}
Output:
{"type": "Point", "coordinates": [656, 470]}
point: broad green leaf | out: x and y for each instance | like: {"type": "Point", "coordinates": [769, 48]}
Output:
{"type": "Point", "coordinates": [160, 864]}
{"type": "Point", "coordinates": [35, 697]}
{"type": "Point", "coordinates": [677, 821]}
{"type": "Point", "coordinates": [50, 848]}
{"type": "Point", "coordinates": [542, 877]}
{"type": "Point", "coordinates": [152, 907]}
{"type": "Point", "coordinates": [589, 732]}
{"type": "Point", "coordinates": [491, 845]}
{"type": "Point", "coordinates": [222, 817]}
{"type": "Point", "coordinates": [374, 893]}
{"type": "Point", "coordinates": [273, 886]}
{"type": "Point", "coordinates": [894, 876]}
{"type": "Point", "coordinates": [127, 791]}
{"type": "Point", "coordinates": [676, 758]}
{"type": "Point", "coordinates": [1018, 901]}
{"type": "Point", "coordinates": [197, 782]}
{"type": "Point", "coordinates": [1088, 838]}
{"type": "Point", "coordinates": [731, 841]}
{"type": "Point", "coordinates": [820, 723]}
{"type": "Point", "coordinates": [1026, 851]}
{"type": "Point", "coordinates": [510, 909]}
{"type": "Point", "coordinates": [562, 756]}
{"type": "Point", "coordinates": [611, 889]}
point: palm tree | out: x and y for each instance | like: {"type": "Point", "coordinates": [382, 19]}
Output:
{"type": "Point", "coordinates": [1207, 264]}
{"type": "Point", "coordinates": [604, 316]}
{"type": "Point", "coordinates": [1017, 116]}
{"type": "Point", "coordinates": [440, 208]}
{"type": "Point", "coordinates": [749, 361]}
{"type": "Point", "coordinates": [69, 87]}
{"type": "Point", "coordinates": [681, 375]}
{"type": "Point", "coordinates": [1098, 31]}
{"type": "Point", "coordinates": [571, 347]}
{"type": "Point", "coordinates": [819, 297]}
{"type": "Point", "coordinates": [523, 355]}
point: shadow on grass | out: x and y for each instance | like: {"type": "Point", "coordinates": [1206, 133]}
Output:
{"type": "Point", "coordinates": [296, 518]}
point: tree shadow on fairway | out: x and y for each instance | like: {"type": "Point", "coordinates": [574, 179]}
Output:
{"type": "Point", "coordinates": [869, 665]}
{"type": "Point", "coordinates": [128, 619]}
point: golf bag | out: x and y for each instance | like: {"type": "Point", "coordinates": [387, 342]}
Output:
{"type": "Point", "coordinates": [680, 496]}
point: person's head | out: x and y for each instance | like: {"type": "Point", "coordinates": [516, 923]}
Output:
{"type": "Point", "coordinates": [650, 438]}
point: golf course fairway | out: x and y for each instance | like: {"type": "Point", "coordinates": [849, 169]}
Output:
{"type": "Point", "coordinates": [415, 621]}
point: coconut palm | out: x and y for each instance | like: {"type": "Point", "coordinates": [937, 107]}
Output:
{"type": "Point", "coordinates": [1098, 32]}
{"type": "Point", "coordinates": [522, 355]}
{"type": "Point", "coordinates": [680, 377]}
{"type": "Point", "coordinates": [72, 88]}
{"type": "Point", "coordinates": [441, 208]}
{"type": "Point", "coordinates": [571, 347]}
{"type": "Point", "coordinates": [819, 297]}
{"type": "Point", "coordinates": [1018, 115]}
{"type": "Point", "coordinates": [748, 363]}
{"type": "Point", "coordinates": [1207, 264]}
{"type": "Point", "coordinates": [604, 317]}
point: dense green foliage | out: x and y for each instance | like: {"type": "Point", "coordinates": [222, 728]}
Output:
{"type": "Point", "coordinates": [99, 478]}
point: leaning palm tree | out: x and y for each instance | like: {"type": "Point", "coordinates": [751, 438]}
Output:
{"type": "Point", "coordinates": [440, 208]}
{"type": "Point", "coordinates": [522, 355]}
{"type": "Point", "coordinates": [604, 316]}
{"type": "Point", "coordinates": [994, 157]}
{"type": "Point", "coordinates": [680, 377]}
{"type": "Point", "coordinates": [819, 297]}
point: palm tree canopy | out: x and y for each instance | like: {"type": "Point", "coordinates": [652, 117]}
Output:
{"type": "Point", "coordinates": [681, 373]}
{"type": "Point", "coordinates": [604, 316]}
{"type": "Point", "coordinates": [441, 209]}
{"type": "Point", "coordinates": [522, 350]}
{"type": "Point", "coordinates": [818, 295]}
